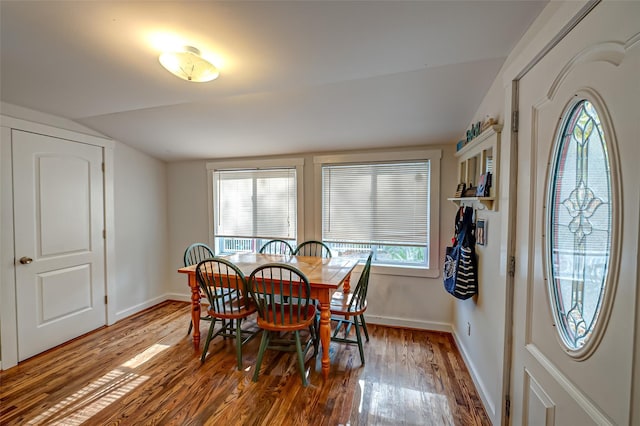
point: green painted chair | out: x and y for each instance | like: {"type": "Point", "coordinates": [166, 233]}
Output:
{"type": "Point", "coordinates": [196, 253]}
{"type": "Point", "coordinates": [193, 255]}
{"type": "Point", "coordinates": [230, 307]}
{"type": "Point", "coordinates": [348, 310]}
{"type": "Point", "coordinates": [283, 322]}
{"type": "Point", "coordinates": [276, 247]}
{"type": "Point", "coordinates": [313, 248]}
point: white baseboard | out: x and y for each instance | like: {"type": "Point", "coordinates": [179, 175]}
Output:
{"type": "Point", "coordinates": [140, 307]}
{"type": "Point", "coordinates": [480, 387]}
{"type": "Point", "coordinates": [180, 297]}
{"type": "Point", "coordinates": [408, 323]}
{"type": "Point", "coordinates": [370, 319]}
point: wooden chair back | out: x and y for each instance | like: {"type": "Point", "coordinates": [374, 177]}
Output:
{"type": "Point", "coordinates": [225, 287]}
{"type": "Point", "coordinates": [359, 301]}
{"type": "Point", "coordinates": [196, 253]}
{"type": "Point", "coordinates": [313, 248]}
{"type": "Point", "coordinates": [276, 247]}
{"type": "Point", "coordinates": [281, 293]}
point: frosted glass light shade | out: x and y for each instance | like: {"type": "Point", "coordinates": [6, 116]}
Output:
{"type": "Point", "coordinates": [189, 65]}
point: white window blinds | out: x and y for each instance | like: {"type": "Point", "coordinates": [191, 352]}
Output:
{"type": "Point", "coordinates": [255, 203]}
{"type": "Point", "coordinates": [376, 203]}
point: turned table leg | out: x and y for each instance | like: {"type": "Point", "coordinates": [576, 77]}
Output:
{"type": "Point", "coordinates": [195, 310]}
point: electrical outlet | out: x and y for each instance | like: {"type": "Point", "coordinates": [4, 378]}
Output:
{"type": "Point", "coordinates": [468, 329]}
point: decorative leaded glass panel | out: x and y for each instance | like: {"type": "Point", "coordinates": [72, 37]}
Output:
{"type": "Point", "coordinates": [579, 223]}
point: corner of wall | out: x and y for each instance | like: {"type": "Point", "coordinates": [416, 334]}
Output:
{"type": "Point", "coordinates": [485, 396]}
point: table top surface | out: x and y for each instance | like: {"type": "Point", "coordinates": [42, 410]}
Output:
{"type": "Point", "coordinates": [323, 272]}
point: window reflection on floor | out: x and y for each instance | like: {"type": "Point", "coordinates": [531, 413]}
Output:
{"type": "Point", "coordinates": [379, 398]}
{"type": "Point", "coordinates": [86, 402]}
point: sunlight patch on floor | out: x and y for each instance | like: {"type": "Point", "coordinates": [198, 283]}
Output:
{"type": "Point", "coordinates": [377, 396]}
{"type": "Point", "coordinates": [145, 356]}
{"type": "Point", "coordinates": [91, 399]}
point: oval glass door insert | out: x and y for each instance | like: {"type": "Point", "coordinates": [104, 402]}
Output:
{"type": "Point", "coordinates": [579, 225]}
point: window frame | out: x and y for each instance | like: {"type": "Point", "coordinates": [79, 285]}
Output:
{"type": "Point", "coordinates": [433, 156]}
{"type": "Point", "coordinates": [276, 163]}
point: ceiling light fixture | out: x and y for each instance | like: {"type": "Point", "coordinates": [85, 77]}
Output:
{"type": "Point", "coordinates": [189, 65]}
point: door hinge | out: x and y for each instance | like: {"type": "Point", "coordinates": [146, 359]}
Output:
{"type": "Point", "coordinates": [515, 115]}
{"type": "Point", "coordinates": [507, 406]}
{"type": "Point", "coordinates": [104, 234]}
{"type": "Point", "coordinates": [105, 299]}
{"type": "Point", "coordinates": [512, 266]}
{"type": "Point", "coordinates": [102, 167]}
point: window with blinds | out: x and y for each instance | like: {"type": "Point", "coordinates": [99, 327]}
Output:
{"type": "Point", "coordinates": [383, 207]}
{"type": "Point", "coordinates": [252, 207]}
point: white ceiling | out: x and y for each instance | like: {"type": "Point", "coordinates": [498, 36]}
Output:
{"type": "Point", "coordinates": [297, 76]}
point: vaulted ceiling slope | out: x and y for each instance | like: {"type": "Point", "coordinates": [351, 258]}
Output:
{"type": "Point", "coordinates": [296, 76]}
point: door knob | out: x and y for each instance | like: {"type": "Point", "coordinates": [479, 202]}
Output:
{"type": "Point", "coordinates": [25, 260]}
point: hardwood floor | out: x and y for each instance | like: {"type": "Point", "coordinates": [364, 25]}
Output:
{"type": "Point", "coordinates": [144, 371]}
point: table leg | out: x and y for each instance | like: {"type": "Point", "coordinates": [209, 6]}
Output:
{"type": "Point", "coordinates": [325, 337]}
{"type": "Point", "coordinates": [346, 288]}
{"type": "Point", "coordinates": [195, 310]}
{"type": "Point", "coordinates": [346, 285]}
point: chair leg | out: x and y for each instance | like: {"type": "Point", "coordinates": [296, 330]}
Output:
{"type": "Point", "coordinates": [239, 343]}
{"type": "Point", "coordinates": [190, 327]}
{"type": "Point", "coordinates": [364, 327]}
{"type": "Point", "coordinates": [300, 359]}
{"type": "Point", "coordinates": [347, 326]}
{"type": "Point", "coordinates": [355, 322]}
{"type": "Point", "coordinates": [263, 346]}
{"type": "Point", "coordinates": [314, 336]}
{"type": "Point", "coordinates": [224, 323]}
{"type": "Point", "coordinates": [206, 344]}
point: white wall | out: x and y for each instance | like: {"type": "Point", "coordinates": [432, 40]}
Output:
{"type": "Point", "coordinates": [141, 231]}
{"type": "Point", "coordinates": [139, 274]}
{"type": "Point", "coordinates": [485, 350]}
{"type": "Point", "coordinates": [188, 218]}
{"type": "Point", "coordinates": [393, 300]}
{"type": "Point", "coordinates": [484, 314]}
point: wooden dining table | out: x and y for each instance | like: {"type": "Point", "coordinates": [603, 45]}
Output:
{"type": "Point", "coordinates": [325, 276]}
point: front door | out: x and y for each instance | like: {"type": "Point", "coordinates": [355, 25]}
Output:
{"type": "Point", "coordinates": [577, 226]}
{"type": "Point", "coordinates": [59, 221]}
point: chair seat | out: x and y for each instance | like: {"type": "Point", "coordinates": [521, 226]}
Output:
{"type": "Point", "coordinates": [235, 308]}
{"type": "Point", "coordinates": [340, 304]}
{"type": "Point", "coordinates": [280, 322]}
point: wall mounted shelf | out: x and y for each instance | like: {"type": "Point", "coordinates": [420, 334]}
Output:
{"type": "Point", "coordinates": [480, 156]}
{"type": "Point", "coordinates": [485, 201]}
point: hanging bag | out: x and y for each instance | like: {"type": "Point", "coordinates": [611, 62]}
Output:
{"type": "Point", "coordinates": [452, 254]}
{"type": "Point", "coordinates": [460, 270]}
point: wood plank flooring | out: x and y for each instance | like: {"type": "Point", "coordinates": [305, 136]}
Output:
{"type": "Point", "coordinates": [144, 371]}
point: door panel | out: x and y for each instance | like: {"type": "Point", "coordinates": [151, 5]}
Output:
{"type": "Point", "coordinates": [59, 220]}
{"type": "Point", "coordinates": [67, 291]}
{"type": "Point", "coordinates": [599, 60]}
{"type": "Point", "coordinates": [69, 179]}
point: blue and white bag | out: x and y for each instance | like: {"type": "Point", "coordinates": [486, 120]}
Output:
{"type": "Point", "coordinates": [460, 270]}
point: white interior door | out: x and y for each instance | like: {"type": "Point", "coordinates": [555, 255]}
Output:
{"type": "Point", "coordinates": [557, 380]}
{"type": "Point", "coordinates": [59, 221]}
